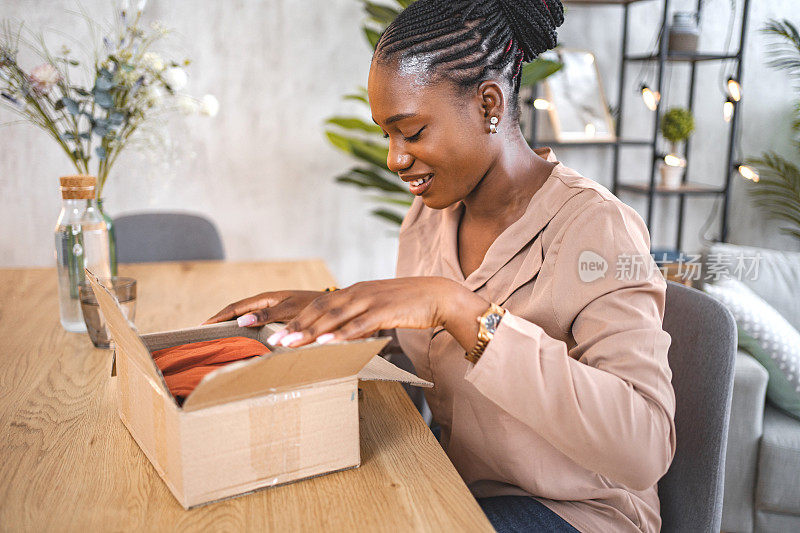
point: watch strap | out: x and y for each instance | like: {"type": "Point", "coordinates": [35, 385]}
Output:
{"type": "Point", "coordinates": [484, 335]}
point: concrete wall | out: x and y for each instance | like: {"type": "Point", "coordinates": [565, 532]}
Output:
{"type": "Point", "coordinates": [263, 170]}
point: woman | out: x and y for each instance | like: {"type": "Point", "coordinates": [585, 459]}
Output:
{"type": "Point", "coordinates": [564, 418]}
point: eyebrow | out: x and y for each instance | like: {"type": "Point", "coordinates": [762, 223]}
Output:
{"type": "Point", "coordinates": [397, 117]}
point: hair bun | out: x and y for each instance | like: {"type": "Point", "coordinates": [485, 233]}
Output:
{"type": "Point", "coordinates": [533, 23]}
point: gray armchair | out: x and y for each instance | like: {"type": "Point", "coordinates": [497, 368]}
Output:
{"type": "Point", "coordinates": [762, 468]}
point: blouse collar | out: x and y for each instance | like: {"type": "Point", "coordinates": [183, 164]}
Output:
{"type": "Point", "coordinates": [543, 206]}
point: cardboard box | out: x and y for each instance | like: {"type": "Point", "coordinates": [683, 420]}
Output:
{"type": "Point", "coordinates": [288, 415]}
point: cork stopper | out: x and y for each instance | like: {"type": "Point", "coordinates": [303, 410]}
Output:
{"type": "Point", "coordinates": [78, 187]}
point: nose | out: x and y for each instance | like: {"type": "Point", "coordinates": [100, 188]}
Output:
{"type": "Point", "coordinates": [398, 159]}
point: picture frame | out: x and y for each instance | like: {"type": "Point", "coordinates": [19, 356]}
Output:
{"type": "Point", "coordinates": [575, 99]}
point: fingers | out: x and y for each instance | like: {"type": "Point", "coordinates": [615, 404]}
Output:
{"type": "Point", "coordinates": [245, 306]}
{"type": "Point", "coordinates": [281, 312]}
{"type": "Point", "coordinates": [329, 318]}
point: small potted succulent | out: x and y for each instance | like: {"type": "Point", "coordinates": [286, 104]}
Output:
{"type": "Point", "coordinates": [677, 125]}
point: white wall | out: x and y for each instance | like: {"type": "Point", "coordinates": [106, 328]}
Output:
{"type": "Point", "coordinates": [263, 169]}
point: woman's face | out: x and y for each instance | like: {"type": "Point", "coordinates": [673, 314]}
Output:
{"type": "Point", "coordinates": [434, 133]}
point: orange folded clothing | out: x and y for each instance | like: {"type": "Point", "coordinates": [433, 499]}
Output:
{"type": "Point", "coordinates": [184, 366]}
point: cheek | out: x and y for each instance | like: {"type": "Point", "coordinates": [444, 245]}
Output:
{"type": "Point", "coordinates": [462, 159]}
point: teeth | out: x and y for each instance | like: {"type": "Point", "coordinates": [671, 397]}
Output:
{"type": "Point", "coordinates": [420, 181]}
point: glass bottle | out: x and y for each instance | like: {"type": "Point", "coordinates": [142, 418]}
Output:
{"type": "Point", "coordinates": [684, 32]}
{"type": "Point", "coordinates": [81, 237]}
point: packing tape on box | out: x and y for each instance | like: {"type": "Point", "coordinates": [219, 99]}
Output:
{"type": "Point", "coordinates": [275, 433]}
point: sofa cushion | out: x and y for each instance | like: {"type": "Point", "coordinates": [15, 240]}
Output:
{"type": "Point", "coordinates": [772, 274]}
{"type": "Point", "coordinates": [768, 337]}
{"type": "Point", "coordinates": [778, 486]}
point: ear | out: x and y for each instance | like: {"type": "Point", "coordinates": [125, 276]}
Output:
{"type": "Point", "coordinates": [492, 100]}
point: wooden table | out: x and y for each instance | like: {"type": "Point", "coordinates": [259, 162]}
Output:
{"type": "Point", "coordinates": [67, 463]}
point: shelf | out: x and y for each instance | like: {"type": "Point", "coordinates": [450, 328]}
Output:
{"type": "Point", "coordinates": [682, 56]}
{"type": "Point", "coordinates": [588, 144]}
{"type": "Point", "coordinates": [696, 189]}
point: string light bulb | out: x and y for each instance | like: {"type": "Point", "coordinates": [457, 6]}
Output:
{"type": "Point", "coordinates": [541, 103]}
{"type": "Point", "coordinates": [650, 97]}
{"type": "Point", "coordinates": [727, 110]}
{"type": "Point", "coordinates": [673, 160]}
{"type": "Point", "coordinates": [748, 173]}
{"type": "Point", "coordinates": [734, 89]}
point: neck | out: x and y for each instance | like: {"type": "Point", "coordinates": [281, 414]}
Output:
{"type": "Point", "coordinates": [505, 191]}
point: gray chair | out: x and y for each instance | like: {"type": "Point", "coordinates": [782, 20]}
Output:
{"type": "Point", "coordinates": [701, 357]}
{"type": "Point", "coordinates": [160, 236]}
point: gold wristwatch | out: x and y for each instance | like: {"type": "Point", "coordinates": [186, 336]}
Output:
{"type": "Point", "coordinates": [488, 321]}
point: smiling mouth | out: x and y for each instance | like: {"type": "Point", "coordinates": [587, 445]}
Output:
{"type": "Point", "coordinates": [419, 186]}
{"type": "Point", "coordinates": [420, 181]}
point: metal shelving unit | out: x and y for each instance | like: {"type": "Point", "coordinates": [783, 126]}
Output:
{"type": "Point", "coordinates": [663, 58]}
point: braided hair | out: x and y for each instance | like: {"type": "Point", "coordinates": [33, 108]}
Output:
{"type": "Point", "coordinates": [468, 41]}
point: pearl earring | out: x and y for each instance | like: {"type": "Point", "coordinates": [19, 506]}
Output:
{"type": "Point", "coordinates": [493, 124]}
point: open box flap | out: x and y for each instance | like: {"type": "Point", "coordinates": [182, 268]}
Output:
{"type": "Point", "coordinates": [379, 369]}
{"type": "Point", "coordinates": [125, 338]}
{"type": "Point", "coordinates": [283, 369]}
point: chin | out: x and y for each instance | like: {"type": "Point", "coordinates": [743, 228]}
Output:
{"type": "Point", "coordinates": [435, 202]}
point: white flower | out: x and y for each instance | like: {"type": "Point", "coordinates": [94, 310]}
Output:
{"type": "Point", "coordinates": [158, 27]}
{"type": "Point", "coordinates": [209, 105]}
{"type": "Point", "coordinates": [44, 77]}
{"type": "Point", "coordinates": [175, 77]}
{"type": "Point", "coordinates": [152, 95]}
{"type": "Point", "coordinates": [187, 105]}
{"type": "Point", "coordinates": [152, 61]}
{"type": "Point", "coordinates": [140, 5]}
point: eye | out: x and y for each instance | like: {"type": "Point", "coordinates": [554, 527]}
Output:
{"type": "Point", "coordinates": [415, 137]}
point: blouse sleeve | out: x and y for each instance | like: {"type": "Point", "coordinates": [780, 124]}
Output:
{"type": "Point", "coordinates": [608, 402]}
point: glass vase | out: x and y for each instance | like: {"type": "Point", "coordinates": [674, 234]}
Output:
{"type": "Point", "coordinates": [112, 236]}
{"type": "Point", "coordinates": [81, 241]}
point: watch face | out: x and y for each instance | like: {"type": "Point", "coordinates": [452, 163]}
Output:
{"type": "Point", "coordinates": [491, 322]}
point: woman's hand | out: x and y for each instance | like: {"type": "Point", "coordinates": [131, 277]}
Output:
{"type": "Point", "coordinates": [364, 308]}
{"type": "Point", "coordinates": [266, 307]}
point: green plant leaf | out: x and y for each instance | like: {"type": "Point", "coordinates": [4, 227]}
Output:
{"type": "Point", "coordinates": [116, 118]}
{"type": "Point", "coordinates": [339, 141]}
{"type": "Point", "coordinates": [405, 202]}
{"type": "Point", "coordinates": [372, 36]}
{"type": "Point", "coordinates": [103, 99]}
{"type": "Point", "coordinates": [375, 179]}
{"type": "Point", "coordinates": [353, 123]}
{"type": "Point", "coordinates": [365, 181]}
{"type": "Point", "coordinates": [383, 15]}
{"type": "Point", "coordinates": [71, 105]}
{"type": "Point", "coordinates": [356, 97]}
{"type": "Point", "coordinates": [388, 215]}
{"type": "Point", "coordinates": [539, 69]}
{"type": "Point", "coordinates": [370, 152]}
{"type": "Point", "coordinates": [103, 84]}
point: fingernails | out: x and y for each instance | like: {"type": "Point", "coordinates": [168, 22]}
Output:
{"type": "Point", "coordinates": [327, 337]}
{"type": "Point", "coordinates": [246, 320]}
{"type": "Point", "coordinates": [277, 336]}
{"type": "Point", "coordinates": [290, 338]}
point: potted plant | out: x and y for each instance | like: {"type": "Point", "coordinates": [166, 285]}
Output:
{"type": "Point", "coordinates": [677, 125]}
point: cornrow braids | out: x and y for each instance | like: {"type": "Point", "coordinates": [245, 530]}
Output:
{"type": "Point", "coordinates": [469, 41]}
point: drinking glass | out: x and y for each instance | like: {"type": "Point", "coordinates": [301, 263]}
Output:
{"type": "Point", "coordinates": [124, 289]}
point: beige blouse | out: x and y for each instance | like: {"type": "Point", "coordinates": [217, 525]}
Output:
{"type": "Point", "coordinates": [572, 400]}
